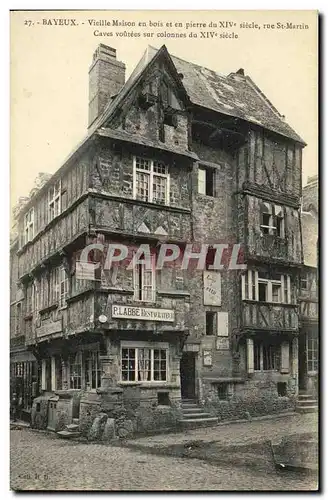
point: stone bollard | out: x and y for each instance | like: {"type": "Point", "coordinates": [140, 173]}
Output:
{"type": "Point", "coordinates": [109, 430]}
{"type": "Point", "coordinates": [97, 427]}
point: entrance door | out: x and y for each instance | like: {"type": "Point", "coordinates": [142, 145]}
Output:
{"type": "Point", "coordinates": [187, 375]}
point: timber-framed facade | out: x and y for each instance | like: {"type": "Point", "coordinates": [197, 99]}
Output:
{"type": "Point", "coordinates": [176, 154]}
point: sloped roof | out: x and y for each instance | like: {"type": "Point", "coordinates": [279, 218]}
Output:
{"type": "Point", "coordinates": [233, 95]}
{"type": "Point", "coordinates": [121, 135]}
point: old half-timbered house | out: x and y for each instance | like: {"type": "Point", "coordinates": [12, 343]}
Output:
{"type": "Point", "coordinates": [182, 155]}
{"type": "Point", "coordinates": [309, 297]}
{"type": "Point", "coordinates": [23, 365]}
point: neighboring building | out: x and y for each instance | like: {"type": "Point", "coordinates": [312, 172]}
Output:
{"type": "Point", "coordinates": [309, 291]}
{"type": "Point", "coordinates": [23, 365]}
{"type": "Point", "coordinates": [178, 154]}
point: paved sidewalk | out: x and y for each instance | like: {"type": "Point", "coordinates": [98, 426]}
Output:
{"type": "Point", "coordinates": [235, 433]}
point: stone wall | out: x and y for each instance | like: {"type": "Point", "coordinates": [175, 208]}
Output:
{"type": "Point", "coordinates": [136, 412]}
{"type": "Point", "coordinates": [252, 398]}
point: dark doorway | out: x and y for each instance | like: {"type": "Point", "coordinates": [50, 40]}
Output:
{"type": "Point", "coordinates": [187, 375]}
{"type": "Point", "coordinates": [302, 368]}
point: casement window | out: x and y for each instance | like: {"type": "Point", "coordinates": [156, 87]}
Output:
{"type": "Point", "coordinates": [29, 226]}
{"type": "Point", "coordinates": [272, 220]}
{"type": "Point", "coordinates": [266, 356]}
{"type": "Point", "coordinates": [144, 364]}
{"type": "Point", "coordinates": [265, 287]}
{"type": "Point", "coordinates": [151, 181]}
{"type": "Point", "coordinates": [54, 288]}
{"type": "Point", "coordinates": [58, 286]}
{"type": "Point", "coordinates": [144, 281]}
{"type": "Point", "coordinates": [63, 286]}
{"type": "Point", "coordinates": [211, 323]}
{"type": "Point", "coordinates": [206, 180]}
{"type": "Point", "coordinates": [75, 370]}
{"type": "Point", "coordinates": [312, 352]}
{"type": "Point", "coordinates": [92, 369]}
{"type": "Point", "coordinates": [54, 201]}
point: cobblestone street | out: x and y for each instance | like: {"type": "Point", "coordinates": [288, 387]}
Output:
{"type": "Point", "coordinates": [41, 461]}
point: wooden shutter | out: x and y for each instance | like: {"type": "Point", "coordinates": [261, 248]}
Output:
{"type": "Point", "coordinates": [250, 355]}
{"type": "Point", "coordinates": [43, 375]}
{"type": "Point", "coordinates": [53, 373]}
{"type": "Point", "coordinates": [284, 367]}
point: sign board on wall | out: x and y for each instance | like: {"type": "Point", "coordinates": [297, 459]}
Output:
{"type": "Point", "coordinates": [142, 313]}
{"type": "Point", "coordinates": [222, 343]}
{"type": "Point", "coordinates": [207, 358]}
{"type": "Point", "coordinates": [212, 288]}
{"type": "Point", "coordinates": [222, 324]}
{"type": "Point", "coordinates": [49, 327]}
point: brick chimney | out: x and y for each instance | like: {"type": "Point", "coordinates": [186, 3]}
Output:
{"type": "Point", "coordinates": [106, 78]}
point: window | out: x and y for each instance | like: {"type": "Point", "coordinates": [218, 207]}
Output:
{"type": "Point", "coordinates": [18, 323]}
{"type": "Point", "coordinates": [266, 356]}
{"type": "Point", "coordinates": [206, 181]}
{"type": "Point", "coordinates": [223, 393]}
{"type": "Point", "coordinates": [54, 205]}
{"type": "Point", "coordinates": [144, 364]}
{"type": "Point", "coordinates": [272, 220]}
{"type": "Point", "coordinates": [75, 371]}
{"type": "Point", "coordinates": [29, 226]}
{"type": "Point", "coordinates": [63, 287]}
{"type": "Point", "coordinates": [282, 389]}
{"type": "Point", "coordinates": [211, 323]}
{"type": "Point", "coordinates": [312, 352]}
{"type": "Point", "coordinates": [266, 287]}
{"type": "Point", "coordinates": [29, 298]}
{"type": "Point", "coordinates": [92, 369]}
{"type": "Point", "coordinates": [263, 291]}
{"type": "Point", "coordinates": [163, 399]}
{"type": "Point", "coordinates": [170, 118]}
{"type": "Point", "coordinates": [54, 285]}
{"type": "Point", "coordinates": [151, 181]}
{"type": "Point", "coordinates": [304, 283]}
{"type": "Point", "coordinates": [144, 281]}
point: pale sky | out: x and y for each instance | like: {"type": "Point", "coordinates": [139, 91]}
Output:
{"type": "Point", "coordinates": [49, 74]}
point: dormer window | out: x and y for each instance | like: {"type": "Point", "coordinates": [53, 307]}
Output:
{"type": "Point", "coordinates": [29, 226]}
{"type": "Point", "coordinates": [54, 205]}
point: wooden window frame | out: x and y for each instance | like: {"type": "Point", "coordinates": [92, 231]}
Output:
{"type": "Point", "coordinates": [250, 281]}
{"type": "Point", "coordinates": [29, 225]}
{"type": "Point", "coordinates": [54, 199]}
{"type": "Point", "coordinates": [275, 213]}
{"type": "Point", "coordinates": [208, 170]}
{"type": "Point", "coordinates": [139, 272]}
{"type": "Point", "coordinates": [152, 174]}
{"type": "Point", "coordinates": [138, 347]}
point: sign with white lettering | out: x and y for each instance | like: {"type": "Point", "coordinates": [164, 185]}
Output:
{"type": "Point", "coordinates": [142, 313]}
{"type": "Point", "coordinates": [222, 344]}
{"type": "Point", "coordinates": [49, 327]}
{"type": "Point", "coordinates": [212, 288]}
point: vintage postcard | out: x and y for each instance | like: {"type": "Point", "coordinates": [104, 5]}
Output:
{"type": "Point", "coordinates": [164, 250]}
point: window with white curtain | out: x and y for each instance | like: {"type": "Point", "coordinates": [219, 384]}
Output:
{"type": "Point", "coordinates": [151, 181]}
{"type": "Point", "coordinates": [144, 364]}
